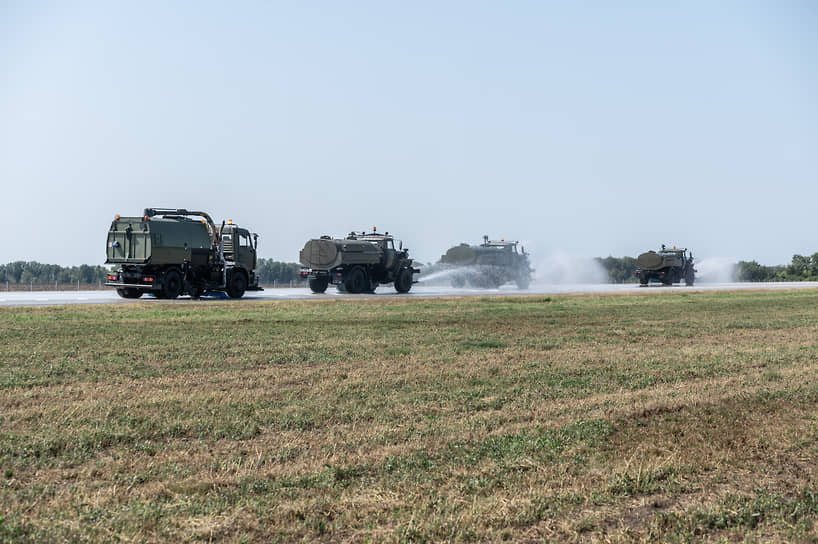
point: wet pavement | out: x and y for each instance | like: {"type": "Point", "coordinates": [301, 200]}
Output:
{"type": "Point", "coordinates": [61, 298]}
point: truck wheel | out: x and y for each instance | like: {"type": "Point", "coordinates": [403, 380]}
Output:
{"type": "Point", "coordinates": [172, 285]}
{"type": "Point", "coordinates": [129, 292]}
{"type": "Point", "coordinates": [404, 280]}
{"type": "Point", "coordinates": [356, 281]}
{"type": "Point", "coordinates": [318, 285]}
{"type": "Point", "coordinates": [237, 285]}
{"type": "Point", "coordinates": [643, 280]}
{"type": "Point", "coordinates": [458, 282]}
{"type": "Point", "coordinates": [689, 279]}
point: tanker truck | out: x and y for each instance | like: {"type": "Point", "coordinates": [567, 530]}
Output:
{"type": "Point", "coordinates": [488, 265]}
{"type": "Point", "coordinates": [357, 263]}
{"type": "Point", "coordinates": [667, 266]}
{"type": "Point", "coordinates": [172, 252]}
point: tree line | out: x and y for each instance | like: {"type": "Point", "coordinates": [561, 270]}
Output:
{"type": "Point", "coordinates": [618, 269]}
{"type": "Point", "coordinates": [33, 272]}
{"type": "Point", "coordinates": [270, 272]}
{"type": "Point", "coordinates": [26, 272]}
{"type": "Point", "coordinates": [801, 268]}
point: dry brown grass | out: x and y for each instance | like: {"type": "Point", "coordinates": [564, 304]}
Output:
{"type": "Point", "coordinates": [585, 418]}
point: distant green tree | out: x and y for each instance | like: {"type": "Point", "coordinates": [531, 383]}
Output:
{"type": "Point", "coordinates": [799, 268]}
{"type": "Point", "coordinates": [14, 271]}
{"type": "Point", "coordinates": [752, 271]}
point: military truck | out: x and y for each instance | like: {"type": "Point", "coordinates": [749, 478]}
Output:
{"type": "Point", "coordinates": [667, 266]}
{"type": "Point", "coordinates": [172, 252]}
{"type": "Point", "coordinates": [488, 265]}
{"type": "Point", "coordinates": [357, 263]}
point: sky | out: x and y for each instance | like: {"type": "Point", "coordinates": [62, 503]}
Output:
{"type": "Point", "coordinates": [579, 128]}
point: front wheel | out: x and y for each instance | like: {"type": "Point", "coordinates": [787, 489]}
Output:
{"type": "Point", "coordinates": [237, 285]}
{"type": "Point", "coordinates": [318, 285]}
{"type": "Point", "coordinates": [403, 282]}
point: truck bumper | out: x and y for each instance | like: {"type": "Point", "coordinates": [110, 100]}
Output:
{"type": "Point", "coordinates": [334, 276]}
{"type": "Point", "coordinates": [143, 286]}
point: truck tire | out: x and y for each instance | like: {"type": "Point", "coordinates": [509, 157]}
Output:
{"type": "Point", "coordinates": [458, 282]}
{"type": "Point", "coordinates": [318, 285]}
{"type": "Point", "coordinates": [129, 292]}
{"type": "Point", "coordinates": [356, 280]}
{"type": "Point", "coordinates": [689, 279]}
{"type": "Point", "coordinates": [403, 281]}
{"type": "Point", "coordinates": [237, 285]}
{"type": "Point", "coordinates": [171, 285]}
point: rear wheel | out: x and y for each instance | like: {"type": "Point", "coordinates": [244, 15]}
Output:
{"type": "Point", "coordinates": [129, 292]}
{"type": "Point", "coordinates": [689, 279]}
{"type": "Point", "coordinates": [356, 280]}
{"type": "Point", "coordinates": [403, 282]}
{"type": "Point", "coordinates": [318, 285]}
{"type": "Point", "coordinates": [237, 285]}
{"type": "Point", "coordinates": [172, 285]}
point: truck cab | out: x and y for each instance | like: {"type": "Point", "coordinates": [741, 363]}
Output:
{"type": "Point", "coordinates": [240, 246]}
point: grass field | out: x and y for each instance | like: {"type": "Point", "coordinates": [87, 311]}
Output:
{"type": "Point", "coordinates": [675, 417]}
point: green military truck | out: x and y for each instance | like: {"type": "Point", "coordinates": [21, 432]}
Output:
{"type": "Point", "coordinates": [357, 263]}
{"type": "Point", "coordinates": [172, 252]}
{"type": "Point", "coordinates": [488, 265]}
{"type": "Point", "coordinates": [667, 266]}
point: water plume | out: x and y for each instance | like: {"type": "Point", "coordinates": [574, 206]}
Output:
{"type": "Point", "coordinates": [715, 270]}
{"type": "Point", "coordinates": [561, 268]}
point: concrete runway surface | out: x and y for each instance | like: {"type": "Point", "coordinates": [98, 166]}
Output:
{"type": "Point", "coordinates": [109, 296]}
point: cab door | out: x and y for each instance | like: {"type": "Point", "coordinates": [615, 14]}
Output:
{"type": "Point", "coordinates": [246, 253]}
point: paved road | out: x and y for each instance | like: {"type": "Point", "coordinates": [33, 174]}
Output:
{"type": "Point", "coordinates": [60, 298]}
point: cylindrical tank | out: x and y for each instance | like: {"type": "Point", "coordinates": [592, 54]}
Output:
{"type": "Point", "coordinates": [654, 261]}
{"type": "Point", "coordinates": [326, 254]}
{"type": "Point", "coordinates": [462, 255]}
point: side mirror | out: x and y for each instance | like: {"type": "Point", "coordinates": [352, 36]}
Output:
{"type": "Point", "coordinates": [401, 245]}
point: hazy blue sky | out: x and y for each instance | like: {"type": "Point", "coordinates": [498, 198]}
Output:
{"type": "Point", "coordinates": [581, 128]}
